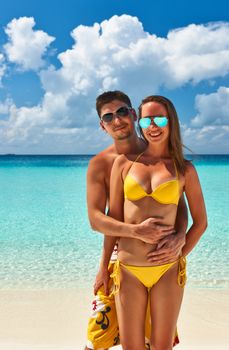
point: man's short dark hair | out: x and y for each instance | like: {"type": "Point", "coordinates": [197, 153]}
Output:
{"type": "Point", "coordinates": [110, 96]}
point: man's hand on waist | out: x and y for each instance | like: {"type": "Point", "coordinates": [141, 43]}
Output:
{"type": "Point", "coordinates": [152, 230]}
{"type": "Point", "coordinates": [168, 249]}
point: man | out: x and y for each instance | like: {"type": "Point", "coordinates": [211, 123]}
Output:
{"type": "Point", "coordinates": [117, 118]}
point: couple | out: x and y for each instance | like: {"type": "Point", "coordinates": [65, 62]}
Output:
{"type": "Point", "coordinates": [142, 179]}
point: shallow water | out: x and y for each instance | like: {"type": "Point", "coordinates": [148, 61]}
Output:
{"type": "Point", "coordinates": [45, 237]}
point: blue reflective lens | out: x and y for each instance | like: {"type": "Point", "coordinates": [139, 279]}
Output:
{"type": "Point", "coordinates": [161, 121]}
{"type": "Point", "coordinates": [144, 123]}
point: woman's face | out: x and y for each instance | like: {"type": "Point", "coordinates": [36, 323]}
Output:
{"type": "Point", "coordinates": [154, 133]}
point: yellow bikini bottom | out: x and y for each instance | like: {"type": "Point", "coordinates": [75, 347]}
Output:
{"type": "Point", "coordinates": [149, 275]}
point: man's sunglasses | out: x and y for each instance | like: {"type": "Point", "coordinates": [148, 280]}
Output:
{"type": "Point", "coordinates": [121, 112]}
{"type": "Point", "coordinates": [160, 121]}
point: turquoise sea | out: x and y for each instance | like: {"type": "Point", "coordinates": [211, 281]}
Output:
{"type": "Point", "coordinates": [45, 237]}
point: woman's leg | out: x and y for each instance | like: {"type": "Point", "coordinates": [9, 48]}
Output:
{"type": "Point", "coordinates": [165, 301]}
{"type": "Point", "coordinates": [131, 304]}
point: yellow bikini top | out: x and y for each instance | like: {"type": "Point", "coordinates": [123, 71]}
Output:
{"type": "Point", "coordinates": [165, 193]}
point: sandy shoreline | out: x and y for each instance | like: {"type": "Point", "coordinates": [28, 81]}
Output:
{"type": "Point", "coordinates": [57, 319]}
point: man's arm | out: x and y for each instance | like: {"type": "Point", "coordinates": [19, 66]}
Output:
{"type": "Point", "coordinates": [96, 200]}
{"type": "Point", "coordinates": [149, 231]}
{"type": "Point", "coordinates": [103, 275]}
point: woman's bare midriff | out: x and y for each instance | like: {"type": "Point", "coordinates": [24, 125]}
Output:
{"type": "Point", "coordinates": [134, 251]}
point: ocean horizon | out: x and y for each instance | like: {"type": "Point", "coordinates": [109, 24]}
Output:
{"type": "Point", "coordinates": [46, 240]}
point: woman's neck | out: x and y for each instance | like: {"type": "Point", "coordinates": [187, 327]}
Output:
{"type": "Point", "coordinates": [158, 150]}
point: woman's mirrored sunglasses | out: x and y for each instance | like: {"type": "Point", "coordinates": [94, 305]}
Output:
{"type": "Point", "coordinates": [121, 112]}
{"type": "Point", "coordinates": [160, 121]}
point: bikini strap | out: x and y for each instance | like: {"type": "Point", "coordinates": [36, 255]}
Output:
{"type": "Point", "coordinates": [139, 155]}
{"type": "Point", "coordinates": [182, 277]}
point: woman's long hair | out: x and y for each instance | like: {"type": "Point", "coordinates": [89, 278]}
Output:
{"type": "Point", "coordinates": [175, 142]}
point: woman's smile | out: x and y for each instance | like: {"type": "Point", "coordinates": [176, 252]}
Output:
{"type": "Point", "coordinates": [154, 134]}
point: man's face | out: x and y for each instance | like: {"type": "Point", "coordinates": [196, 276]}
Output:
{"type": "Point", "coordinates": [121, 127]}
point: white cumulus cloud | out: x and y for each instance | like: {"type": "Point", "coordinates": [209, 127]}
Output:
{"type": "Point", "coordinates": [5, 106]}
{"type": "Point", "coordinates": [213, 109]}
{"type": "Point", "coordinates": [118, 53]}
{"type": "Point", "coordinates": [115, 54]}
{"type": "Point", "coordinates": [26, 46]}
{"type": "Point", "coordinates": [206, 139]}
{"type": "Point", "coordinates": [198, 52]}
{"type": "Point", "coordinates": [208, 131]}
{"type": "Point", "coordinates": [2, 67]}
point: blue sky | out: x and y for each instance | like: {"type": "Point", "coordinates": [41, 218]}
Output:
{"type": "Point", "coordinates": [56, 57]}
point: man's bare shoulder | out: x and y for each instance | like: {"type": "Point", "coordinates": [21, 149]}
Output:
{"type": "Point", "coordinates": [125, 158]}
{"type": "Point", "coordinates": [104, 159]}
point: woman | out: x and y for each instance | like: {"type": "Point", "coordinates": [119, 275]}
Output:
{"type": "Point", "coordinates": [145, 185]}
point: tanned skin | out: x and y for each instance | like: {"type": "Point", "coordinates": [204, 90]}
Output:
{"type": "Point", "coordinates": [126, 141]}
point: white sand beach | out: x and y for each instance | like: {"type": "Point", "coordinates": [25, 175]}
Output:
{"type": "Point", "coordinates": [57, 319]}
